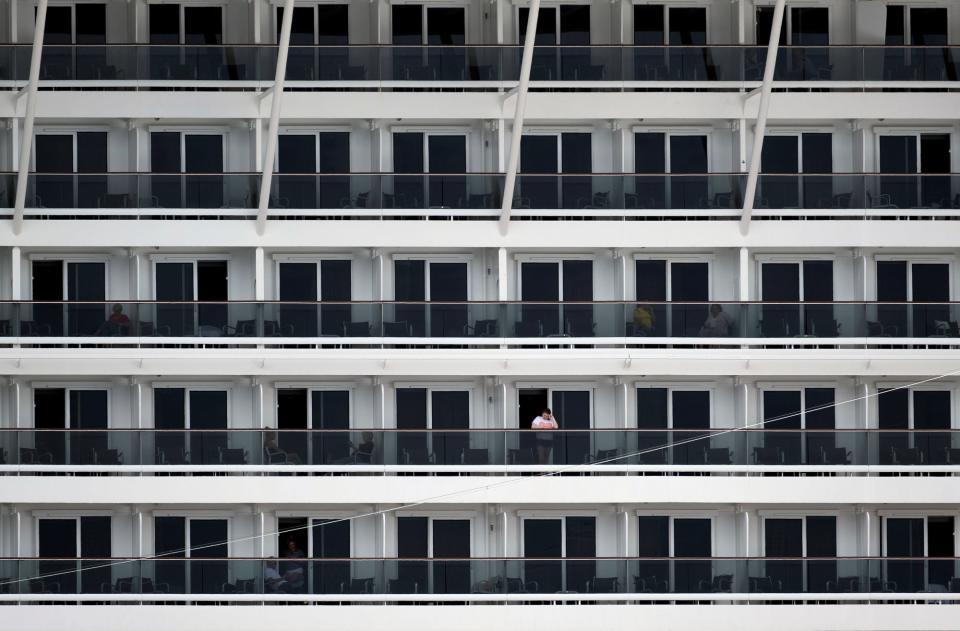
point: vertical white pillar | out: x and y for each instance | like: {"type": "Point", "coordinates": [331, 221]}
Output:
{"type": "Point", "coordinates": [16, 282]}
{"type": "Point", "coordinates": [743, 276]}
{"type": "Point", "coordinates": [259, 279]}
{"type": "Point", "coordinates": [501, 147]}
{"type": "Point", "coordinates": [742, 140]}
{"type": "Point", "coordinates": [26, 143]}
{"type": "Point", "coordinates": [503, 279]}
{"type": "Point", "coordinates": [13, 22]}
{"type": "Point", "coordinates": [16, 404]}
{"type": "Point", "coordinates": [138, 404]}
{"type": "Point", "coordinates": [257, 19]}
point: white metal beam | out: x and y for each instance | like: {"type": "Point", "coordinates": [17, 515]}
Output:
{"type": "Point", "coordinates": [267, 172]}
{"type": "Point", "coordinates": [26, 141]}
{"type": "Point", "coordinates": [518, 114]}
{"type": "Point", "coordinates": [749, 195]}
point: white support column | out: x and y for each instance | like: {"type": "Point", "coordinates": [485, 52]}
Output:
{"type": "Point", "coordinates": [743, 277]}
{"type": "Point", "coordinates": [267, 173]}
{"type": "Point", "coordinates": [16, 282]}
{"type": "Point", "coordinates": [137, 404]}
{"type": "Point", "coordinates": [760, 129]}
{"type": "Point", "coordinates": [503, 278]}
{"type": "Point", "coordinates": [26, 142]}
{"type": "Point", "coordinates": [259, 275]}
{"type": "Point", "coordinates": [516, 133]}
{"type": "Point", "coordinates": [13, 22]}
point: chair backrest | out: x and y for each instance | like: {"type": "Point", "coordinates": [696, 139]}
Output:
{"type": "Point", "coordinates": [475, 456]}
{"type": "Point", "coordinates": [521, 456]}
{"type": "Point", "coordinates": [271, 328]}
{"type": "Point", "coordinates": [607, 454]}
{"type": "Point", "coordinates": [356, 329]}
{"type": "Point", "coordinates": [247, 328]}
{"type": "Point", "coordinates": [485, 328]}
{"type": "Point", "coordinates": [396, 329]}
{"type": "Point", "coordinates": [717, 455]}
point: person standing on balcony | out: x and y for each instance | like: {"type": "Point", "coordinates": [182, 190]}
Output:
{"type": "Point", "coordinates": [717, 324]}
{"type": "Point", "coordinates": [644, 320]}
{"type": "Point", "coordinates": [543, 423]}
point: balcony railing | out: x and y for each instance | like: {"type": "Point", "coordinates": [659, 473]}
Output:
{"type": "Point", "coordinates": [480, 324]}
{"type": "Point", "coordinates": [385, 67]}
{"type": "Point", "coordinates": [480, 194]}
{"type": "Point", "coordinates": [531, 580]}
{"type": "Point", "coordinates": [483, 451]}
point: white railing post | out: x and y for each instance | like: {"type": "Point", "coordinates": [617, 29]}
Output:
{"type": "Point", "coordinates": [773, 47]}
{"type": "Point", "coordinates": [26, 140]}
{"type": "Point", "coordinates": [266, 177]}
{"type": "Point", "coordinates": [518, 113]}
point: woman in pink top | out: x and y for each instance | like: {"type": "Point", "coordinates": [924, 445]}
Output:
{"type": "Point", "coordinates": [546, 421]}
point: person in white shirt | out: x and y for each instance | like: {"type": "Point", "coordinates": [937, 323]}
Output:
{"type": "Point", "coordinates": [545, 422]}
{"type": "Point", "coordinates": [717, 324]}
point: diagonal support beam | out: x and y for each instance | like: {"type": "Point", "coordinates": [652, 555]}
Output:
{"type": "Point", "coordinates": [521, 108]}
{"type": "Point", "coordinates": [266, 177]}
{"type": "Point", "coordinates": [26, 140]}
{"type": "Point", "coordinates": [753, 174]}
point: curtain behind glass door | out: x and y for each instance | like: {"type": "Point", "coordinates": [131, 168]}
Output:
{"type": "Point", "coordinates": [448, 286]}
{"type": "Point", "coordinates": [930, 283]}
{"type": "Point", "coordinates": [203, 156]}
{"type": "Point", "coordinates": [542, 540]}
{"type": "Point", "coordinates": [581, 535]}
{"type": "Point", "coordinates": [331, 411]}
{"type": "Point", "coordinates": [208, 541]}
{"type": "Point", "coordinates": [57, 539]}
{"type": "Point", "coordinates": [87, 282]}
{"type": "Point", "coordinates": [572, 409]}
{"type": "Point", "coordinates": [689, 283]}
{"type": "Point", "coordinates": [175, 284]}
{"type": "Point", "coordinates": [412, 415]}
{"type": "Point", "coordinates": [451, 540]}
{"type": "Point", "coordinates": [88, 411]}
{"type": "Point", "coordinates": [576, 157]}
{"type": "Point", "coordinates": [540, 282]}
{"type": "Point", "coordinates": [692, 538]}
{"type": "Point", "coordinates": [653, 542]}
{"type": "Point", "coordinates": [898, 163]}
{"type": "Point", "coordinates": [538, 159]}
{"type": "Point", "coordinates": [302, 55]}
{"type": "Point", "coordinates": [578, 319]}
{"type": "Point", "coordinates": [780, 283]}
{"type": "Point", "coordinates": [447, 155]}
{"type": "Point", "coordinates": [208, 412]}
{"type": "Point", "coordinates": [783, 541]}
{"type": "Point", "coordinates": [54, 165]}
{"type": "Point", "coordinates": [781, 414]}
{"type": "Point", "coordinates": [781, 159]}
{"type": "Point", "coordinates": [905, 538]}
{"type": "Point", "coordinates": [412, 543]}
{"type": "Point", "coordinates": [446, 26]}
{"type": "Point", "coordinates": [169, 413]}
{"type": "Point", "coordinates": [544, 62]}
{"type": "Point", "coordinates": [932, 411]}
{"type": "Point", "coordinates": [409, 279]}
{"type": "Point", "coordinates": [331, 540]}
{"type": "Point", "coordinates": [298, 283]}
{"type": "Point", "coordinates": [408, 158]}
{"type": "Point", "coordinates": [297, 155]}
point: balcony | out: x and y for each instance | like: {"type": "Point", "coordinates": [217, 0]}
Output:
{"type": "Point", "coordinates": [482, 580]}
{"type": "Point", "coordinates": [479, 195]}
{"type": "Point", "coordinates": [481, 324]}
{"type": "Point", "coordinates": [383, 67]}
{"type": "Point", "coordinates": [742, 451]}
